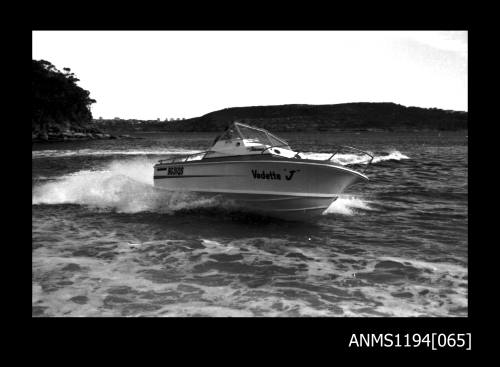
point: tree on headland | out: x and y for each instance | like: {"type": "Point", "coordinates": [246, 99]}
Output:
{"type": "Point", "coordinates": [57, 100]}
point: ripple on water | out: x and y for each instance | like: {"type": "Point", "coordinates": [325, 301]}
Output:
{"type": "Point", "coordinates": [147, 274]}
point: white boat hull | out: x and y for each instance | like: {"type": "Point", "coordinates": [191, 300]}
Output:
{"type": "Point", "coordinates": [284, 188]}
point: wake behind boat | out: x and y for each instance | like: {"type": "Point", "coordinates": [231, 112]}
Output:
{"type": "Point", "coordinates": [260, 172]}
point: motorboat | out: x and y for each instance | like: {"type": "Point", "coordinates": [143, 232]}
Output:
{"type": "Point", "coordinates": [259, 172]}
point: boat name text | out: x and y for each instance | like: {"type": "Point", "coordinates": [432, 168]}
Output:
{"type": "Point", "coordinates": [271, 175]}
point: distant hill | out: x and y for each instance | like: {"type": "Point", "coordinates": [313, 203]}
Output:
{"type": "Point", "coordinates": [301, 117]}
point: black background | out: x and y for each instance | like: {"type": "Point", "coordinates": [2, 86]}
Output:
{"type": "Point", "coordinates": [175, 341]}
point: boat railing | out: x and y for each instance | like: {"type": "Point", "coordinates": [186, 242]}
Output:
{"type": "Point", "coordinates": [184, 158]}
{"type": "Point", "coordinates": [346, 147]}
{"type": "Point", "coordinates": [341, 148]}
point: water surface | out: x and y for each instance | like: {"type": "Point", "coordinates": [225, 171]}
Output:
{"type": "Point", "coordinates": [107, 243]}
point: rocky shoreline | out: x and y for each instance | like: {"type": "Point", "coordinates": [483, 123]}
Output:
{"type": "Point", "coordinates": [54, 134]}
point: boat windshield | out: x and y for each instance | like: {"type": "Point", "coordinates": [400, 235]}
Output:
{"type": "Point", "coordinates": [259, 135]}
{"type": "Point", "coordinates": [229, 134]}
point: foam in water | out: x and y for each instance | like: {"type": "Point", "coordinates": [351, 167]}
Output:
{"type": "Point", "coordinates": [347, 205]}
{"type": "Point", "coordinates": [139, 282]}
{"type": "Point", "coordinates": [93, 152]}
{"type": "Point", "coordinates": [392, 156]}
{"type": "Point", "coordinates": [124, 186]}
{"type": "Point", "coordinates": [350, 158]}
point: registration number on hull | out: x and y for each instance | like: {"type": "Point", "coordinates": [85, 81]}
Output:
{"type": "Point", "coordinates": [173, 171]}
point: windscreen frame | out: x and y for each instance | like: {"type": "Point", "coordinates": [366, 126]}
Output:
{"type": "Point", "coordinates": [270, 137]}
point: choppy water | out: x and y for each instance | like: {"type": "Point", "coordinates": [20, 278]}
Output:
{"type": "Point", "coordinates": [107, 243]}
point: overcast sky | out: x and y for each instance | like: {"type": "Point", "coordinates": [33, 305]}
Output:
{"type": "Point", "coordinates": [149, 75]}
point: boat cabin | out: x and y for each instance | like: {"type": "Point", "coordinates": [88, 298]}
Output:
{"type": "Point", "coordinates": [241, 139]}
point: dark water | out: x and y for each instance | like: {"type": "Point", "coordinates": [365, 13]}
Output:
{"type": "Point", "coordinates": [106, 243]}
